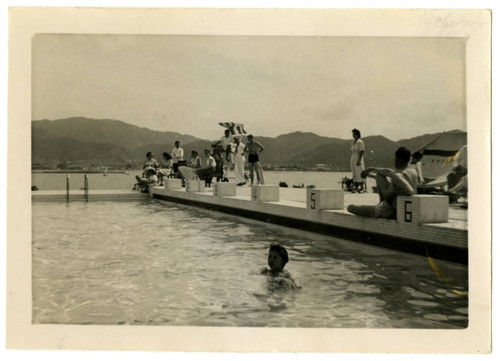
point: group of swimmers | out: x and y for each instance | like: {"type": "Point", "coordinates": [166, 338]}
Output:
{"type": "Point", "coordinates": [228, 152]}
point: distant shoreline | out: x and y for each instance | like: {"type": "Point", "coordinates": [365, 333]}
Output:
{"type": "Point", "coordinates": [80, 171]}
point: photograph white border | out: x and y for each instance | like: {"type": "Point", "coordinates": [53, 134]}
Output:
{"type": "Point", "coordinates": [24, 22]}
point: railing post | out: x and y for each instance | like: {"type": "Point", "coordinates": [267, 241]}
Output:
{"type": "Point", "coordinates": [86, 187]}
{"type": "Point", "coordinates": [67, 188]}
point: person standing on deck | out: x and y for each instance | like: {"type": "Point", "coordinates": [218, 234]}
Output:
{"type": "Point", "coordinates": [239, 161]}
{"type": "Point", "coordinates": [177, 155]}
{"type": "Point", "coordinates": [358, 162]}
{"type": "Point", "coordinates": [226, 142]}
{"type": "Point", "coordinates": [253, 149]}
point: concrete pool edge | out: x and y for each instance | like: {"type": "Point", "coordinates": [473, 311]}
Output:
{"type": "Point", "coordinates": [430, 240]}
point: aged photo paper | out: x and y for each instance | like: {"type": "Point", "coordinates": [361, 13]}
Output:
{"type": "Point", "coordinates": [474, 26]}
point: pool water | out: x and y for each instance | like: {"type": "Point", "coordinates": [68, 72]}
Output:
{"type": "Point", "coordinates": [159, 263]}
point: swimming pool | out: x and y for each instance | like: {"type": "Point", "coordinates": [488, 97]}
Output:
{"type": "Point", "coordinates": [159, 263]}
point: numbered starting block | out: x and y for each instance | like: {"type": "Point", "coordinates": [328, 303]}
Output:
{"type": "Point", "coordinates": [324, 198]}
{"type": "Point", "coordinates": [195, 185]}
{"type": "Point", "coordinates": [265, 193]}
{"type": "Point", "coordinates": [423, 209]}
{"type": "Point", "coordinates": [224, 189]}
{"type": "Point", "coordinates": [173, 183]}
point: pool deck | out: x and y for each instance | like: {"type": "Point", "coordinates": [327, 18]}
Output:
{"type": "Point", "coordinates": [447, 241]}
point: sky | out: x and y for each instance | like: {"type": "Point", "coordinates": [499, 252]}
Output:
{"type": "Point", "coordinates": [396, 87]}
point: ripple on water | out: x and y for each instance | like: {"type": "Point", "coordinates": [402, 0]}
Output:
{"type": "Point", "coordinates": [436, 317]}
{"type": "Point", "coordinates": [156, 264]}
{"type": "Point", "coordinates": [423, 303]}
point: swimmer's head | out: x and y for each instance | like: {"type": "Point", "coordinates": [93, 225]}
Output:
{"type": "Point", "coordinates": [277, 258]}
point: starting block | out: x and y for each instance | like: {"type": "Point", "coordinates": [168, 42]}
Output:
{"type": "Point", "coordinates": [265, 193]}
{"type": "Point", "coordinates": [324, 198]}
{"type": "Point", "coordinates": [422, 208]}
{"type": "Point", "coordinates": [195, 185]}
{"type": "Point", "coordinates": [224, 189]}
{"type": "Point", "coordinates": [173, 183]}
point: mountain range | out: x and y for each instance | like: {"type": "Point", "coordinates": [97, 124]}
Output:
{"type": "Point", "coordinates": [108, 142]}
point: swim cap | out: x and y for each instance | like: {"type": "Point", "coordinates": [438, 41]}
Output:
{"type": "Point", "coordinates": [281, 251]}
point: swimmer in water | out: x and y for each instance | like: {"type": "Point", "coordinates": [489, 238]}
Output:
{"type": "Point", "coordinates": [277, 259]}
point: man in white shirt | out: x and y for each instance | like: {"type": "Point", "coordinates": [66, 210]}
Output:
{"type": "Point", "coordinates": [238, 150]}
{"type": "Point", "coordinates": [177, 155]}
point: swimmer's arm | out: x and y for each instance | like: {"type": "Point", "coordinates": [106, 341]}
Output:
{"type": "Point", "coordinates": [261, 147]}
{"type": "Point", "coordinates": [246, 150]}
{"type": "Point", "coordinates": [264, 271]}
{"type": "Point", "coordinates": [295, 283]}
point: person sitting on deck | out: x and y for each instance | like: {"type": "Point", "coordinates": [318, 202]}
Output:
{"type": "Point", "coordinates": [165, 167]}
{"type": "Point", "coordinates": [148, 179]}
{"type": "Point", "coordinates": [390, 184]}
{"type": "Point", "coordinates": [194, 161]}
{"type": "Point", "coordinates": [278, 276]}
{"type": "Point", "coordinates": [459, 191]}
{"type": "Point", "coordinates": [149, 163]}
{"type": "Point", "coordinates": [459, 170]}
{"type": "Point", "coordinates": [207, 173]}
{"type": "Point", "coordinates": [416, 163]}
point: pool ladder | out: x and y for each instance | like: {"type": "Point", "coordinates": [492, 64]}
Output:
{"type": "Point", "coordinates": [85, 187]}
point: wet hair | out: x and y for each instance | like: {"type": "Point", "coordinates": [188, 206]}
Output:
{"type": "Point", "coordinates": [281, 251]}
{"type": "Point", "coordinates": [166, 155]}
{"type": "Point", "coordinates": [249, 136]}
{"type": "Point", "coordinates": [355, 131]}
{"type": "Point", "coordinates": [403, 154]}
{"type": "Point", "coordinates": [177, 142]}
{"type": "Point", "coordinates": [148, 154]}
{"type": "Point", "coordinates": [417, 155]}
{"type": "Point", "coordinates": [194, 152]}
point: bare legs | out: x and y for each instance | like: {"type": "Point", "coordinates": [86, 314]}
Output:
{"type": "Point", "coordinates": [258, 170]}
{"type": "Point", "coordinates": [383, 186]}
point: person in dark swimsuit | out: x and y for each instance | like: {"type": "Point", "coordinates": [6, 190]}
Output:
{"type": "Point", "coordinates": [253, 149]}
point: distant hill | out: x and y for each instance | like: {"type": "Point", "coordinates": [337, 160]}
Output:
{"type": "Point", "coordinates": [110, 142]}
{"type": "Point", "coordinates": [105, 131]}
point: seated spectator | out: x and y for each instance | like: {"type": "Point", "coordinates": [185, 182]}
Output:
{"type": "Point", "coordinates": [149, 163]}
{"type": "Point", "coordinates": [459, 168]}
{"type": "Point", "coordinates": [416, 163]}
{"type": "Point", "coordinates": [165, 167]}
{"type": "Point", "coordinates": [194, 161]}
{"type": "Point", "coordinates": [390, 184]}
{"type": "Point", "coordinates": [207, 173]}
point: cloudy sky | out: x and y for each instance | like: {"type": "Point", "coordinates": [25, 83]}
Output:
{"type": "Point", "coordinates": [397, 87]}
